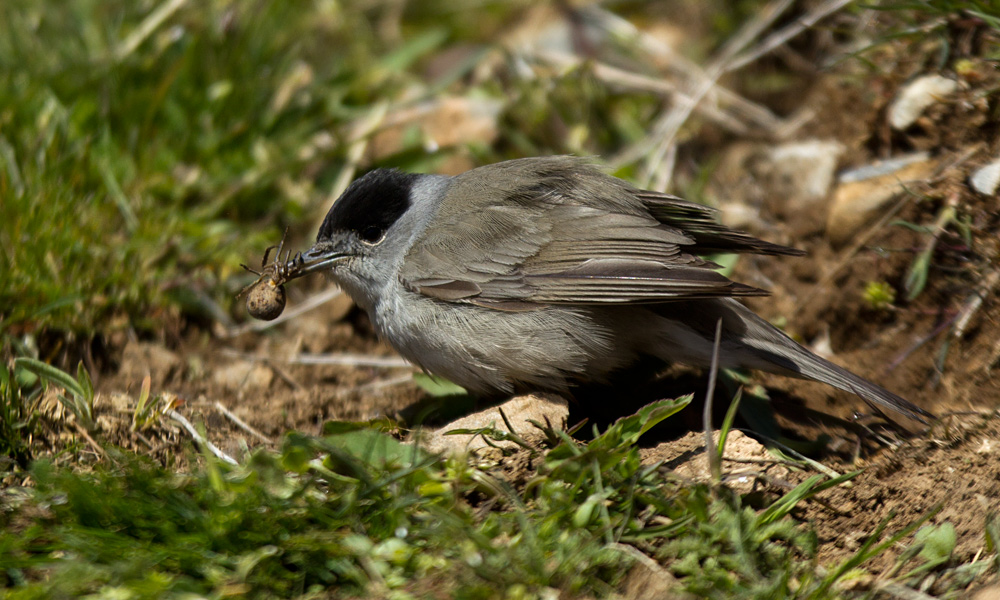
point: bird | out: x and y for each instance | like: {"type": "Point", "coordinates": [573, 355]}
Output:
{"type": "Point", "coordinates": [547, 274]}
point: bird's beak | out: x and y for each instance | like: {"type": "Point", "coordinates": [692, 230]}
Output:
{"type": "Point", "coordinates": [320, 257]}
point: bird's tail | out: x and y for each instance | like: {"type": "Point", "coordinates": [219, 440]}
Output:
{"type": "Point", "coordinates": [751, 342]}
{"type": "Point", "coordinates": [792, 359]}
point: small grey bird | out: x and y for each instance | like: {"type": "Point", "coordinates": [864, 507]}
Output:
{"type": "Point", "coordinates": [544, 274]}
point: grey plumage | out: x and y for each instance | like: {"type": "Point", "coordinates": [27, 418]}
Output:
{"type": "Point", "coordinates": [545, 273]}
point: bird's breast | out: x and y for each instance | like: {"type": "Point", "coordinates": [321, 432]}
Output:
{"type": "Point", "coordinates": [491, 351]}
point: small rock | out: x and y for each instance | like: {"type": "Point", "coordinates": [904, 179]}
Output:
{"type": "Point", "coordinates": [243, 374]}
{"type": "Point", "coordinates": [806, 169]}
{"type": "Point", "coordinates": [791, 180]}
{"type": "Point", "coordinates": [738, 215]}
{"type": "Point", "coordinates": [647, 580]}
{"type": "Point", "coordinates": [519, 410]}
{"type": "Point", "coordinates": [798, 180]}
{"type": "Point", "coordinates": [988, 593]}
{"type": "Point", "coordinates": [986, 179]}
{"type": "Point", "coordinates": [142, 358]}
{"type": "Point", "coordinates": [694, 466]}
{"type": "Point", "coordinates": [916, 97]}
{"type": "Point", "coordinates": [862, 193]}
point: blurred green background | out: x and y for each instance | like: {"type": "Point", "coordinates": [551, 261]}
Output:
{"type": "Point", "coordinates": [148, 148]}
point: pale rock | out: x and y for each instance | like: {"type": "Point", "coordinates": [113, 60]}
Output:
{"type": "Point", "coordinates": [243, 374]}
{"type": "Point", "coordinates": [986, 179]}
{"type": "Point", "coordinates": [143, 358]}
{"type": "Point", "coordinates": [988, 593]}
{"type": "Point", "coordinates": [796, 179]}
{"type": "Point", "coordinates": [917, 96]}
{"type": "Point", "coordinates": [738, 215]}
{"type": "Point", "coordinates": [648, 580]}
{"type": "Point", "coordinates": [520, 411]}
{"type": "Point", "coordinates": [807, 170]}
{"type": "Point", "coordinates": [863, 193]}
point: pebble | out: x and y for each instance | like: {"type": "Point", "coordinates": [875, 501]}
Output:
{"type": "Point", "coordinates": [520, 411]}
{"type": "Point", "coordinates": [863, 193]}
{"type": "Point", "coordinates": [917, 96]}
{"type": "Point", "coordinates": [243, 374]}
{"type": "Point", "coordinates": [986, 179]}
{"type": "Point", "coordinates": [798, 178]}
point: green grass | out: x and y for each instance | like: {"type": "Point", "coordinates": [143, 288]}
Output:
{"type": "Point", "coordinates": [356, 512]}
{"type": "Point", "coordinates": [130, 179]}
{"type": "Point", "coordinates": [924, 10]}
{"type": "Point", "coordinates": [945, 22]}
{"type": "Point", "coordinates": [136, 177]}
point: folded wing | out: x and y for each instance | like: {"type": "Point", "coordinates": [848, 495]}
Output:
{"type": "Point", "coordinates": [569, 234]}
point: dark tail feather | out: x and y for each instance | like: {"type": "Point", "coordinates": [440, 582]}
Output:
{"type": "Point", "coordinates": [787, 357]}
{"type": "Point", "coordinates": [819, 369]}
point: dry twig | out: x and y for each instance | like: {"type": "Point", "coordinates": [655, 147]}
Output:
{"type": "Point", "coordinates": [90, 440]}
{"type": "Point", "coordinates": [241, 423]}
{"type": "Point", "coordinates": [173, 414]}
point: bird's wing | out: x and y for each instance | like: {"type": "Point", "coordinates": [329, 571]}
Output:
{"type": "Point", "coordinates": [702, 224]}
{"type": "Point", "coordinates": [559, 238]}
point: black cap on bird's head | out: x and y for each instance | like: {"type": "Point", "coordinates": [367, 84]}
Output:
{"type": "Point", "coordinates": [370, 205]}
{"type": "Point", "coordinates": [364, 212]}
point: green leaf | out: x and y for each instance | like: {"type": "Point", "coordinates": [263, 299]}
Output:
{"type": "Point", "coordinates": [993, 534]}
{"type": "Point", "coordinates": [939, 542]}
{"type": "Point", "coordinates": [912, 226]}
{"type": "Point", "coordinates": [438, 386]}
{"type": "Point", "coordinates": [383, 424]}
{"type": "Point", "coordinates": [628, 430]}
{"type": "Point", "coordinates": [51, 374]}
{"type": "Point", "coordinates": [869, 549]}
{"type": "Point", "coordinates": [756, 410]}
{"type": "Point", "coordinates": [585, 512]}
{"type": "Point", "coordinates": [916, 277]}
{"type": "Point", "coordinates": [727, 422]}
{"type": "Point", "coordinates": [86, 384]}
{"type": "Point", "coordinates": [296, 452]}
{"type": "Point", "coordinates": [726, 262]}
{"type": "Point", "coordinates": [421, 45]}
{"type": "Point", "coordinates": [807, 488]}
{"type": "Point", "coordinates": [140, 417]}
{"type": "Point", "coordinates": [374, 447]}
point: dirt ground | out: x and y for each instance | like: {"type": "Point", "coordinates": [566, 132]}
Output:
{"type": "Point", "coordinates": [913, 348]}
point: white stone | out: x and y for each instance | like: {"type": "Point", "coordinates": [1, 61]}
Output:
{"type": "Point", "coordinates": [809, 166]}
{"type": "Point", "coordinates": [986, 179]}
{"type": "Point", "coordinates": [917, 96]}
{"type": "Point", "coordinates": [520, 411]}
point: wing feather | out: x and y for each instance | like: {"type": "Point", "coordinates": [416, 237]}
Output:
{"type": "Point", "coordinates": [562, 232]}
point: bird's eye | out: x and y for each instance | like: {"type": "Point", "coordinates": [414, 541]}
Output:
{"type": "Point", "coordinates": [372, 234]}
